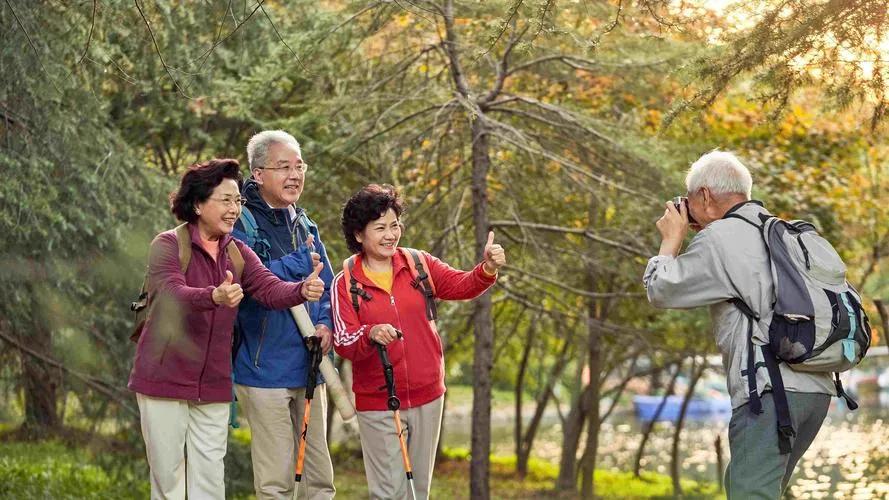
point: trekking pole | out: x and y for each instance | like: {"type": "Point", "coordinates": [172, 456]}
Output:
{"type": "Point", "coordinates": [331, 377]}
{"type": "Point", "coordinates": [313, 344]}
{"type": "Point", "coordinates": [393, 403]}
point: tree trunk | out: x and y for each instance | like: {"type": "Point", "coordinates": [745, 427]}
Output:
{"type": "Point", "coordinates": [39, 383]}
{"type": "Point", "coordinates": [521, 456]}
{"type": "Point", "coordinates": [883, 309]}
{"type": "Point", "coordinates": [542, 401]}
{"type": "Point", "coordinates": [567, 480]}
{"type": "Point", "coordinates": [696, 372]}
{"type": "Point", "coordinates": [484, 327]}
{"type": "Point", "coordinates": [646, 432]}
{"type": "Point", "coordinates": [588, 461]}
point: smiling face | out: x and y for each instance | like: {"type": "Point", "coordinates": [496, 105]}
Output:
{"type": "Point", "coordinates": [282, 178]}
{"type": "Point", "coordinates": [380, 237]}
{"type": "Point", "coordinates": [217, 215]}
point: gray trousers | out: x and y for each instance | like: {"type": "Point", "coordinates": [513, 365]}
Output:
{"type": "Point", "coordinates": [382, 452]}
{"type": "Point", "coordinates": [757, 469]}
{"type": "Point", "coordinates": [275, 417]}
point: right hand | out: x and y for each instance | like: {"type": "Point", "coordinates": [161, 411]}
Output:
{"type": "Point", "coordinates": [228, 294]}
{"type": "Point", "coordinates": [313, 286]}
{"type": "Point", "coordinates": [383, 334]}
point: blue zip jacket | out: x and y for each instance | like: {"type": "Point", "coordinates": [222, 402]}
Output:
{"type": "Point", "coordinates": [271, 352]}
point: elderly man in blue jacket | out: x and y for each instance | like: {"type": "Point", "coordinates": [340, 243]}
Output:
{"type": "Point", "coordinates": [271, 360]}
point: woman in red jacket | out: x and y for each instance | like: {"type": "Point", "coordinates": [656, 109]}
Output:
{"type": "Point", "coordinates": [381, 302]}
{"type": "Point", "coordinates": [182, 371]}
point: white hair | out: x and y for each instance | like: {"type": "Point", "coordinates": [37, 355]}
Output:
{"type": "Point", "coordinates": [258, 146]}
{"type": "Point", "coordinates": [721, 172]}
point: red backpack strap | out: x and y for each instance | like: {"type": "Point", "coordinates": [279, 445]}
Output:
{"type": "Point", "coordinates": [416, 261]}
{"type": "Point", "coordinates": [355, 288]}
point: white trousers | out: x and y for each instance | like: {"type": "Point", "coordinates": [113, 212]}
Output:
{"type": "Point", "coordinates": [185, 442]}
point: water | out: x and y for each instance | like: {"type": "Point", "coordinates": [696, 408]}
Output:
{"type": "Point", "coordinates": [848, 459]}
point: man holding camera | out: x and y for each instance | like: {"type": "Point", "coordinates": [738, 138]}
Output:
{"type": "Point", "coordinates": [728, 260]}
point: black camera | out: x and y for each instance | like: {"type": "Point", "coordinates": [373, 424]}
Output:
{"type": "Point", "coordinates": [682, 200]}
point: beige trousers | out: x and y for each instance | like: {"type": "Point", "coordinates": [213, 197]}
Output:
{"type": "Point", "coordinates": [185, 442]}
{"type": "Point", "coordinates": [383, 464]}
{"type": "Point", "coordinates": [275, 417]}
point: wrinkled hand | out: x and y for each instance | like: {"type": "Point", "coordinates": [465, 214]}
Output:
{"type": "Point", "coordinates": [326, 336]}
{"type": "Point", "coordinates": [673, 227]}
{"type": "Point", "coordinates": [313, 286]}
{"type": "Point", "coordinates": [228, 294]}
{"type": "Point", "coordinates": [383, 334]}
{"type": "Point", "coordinates": [495, 255]}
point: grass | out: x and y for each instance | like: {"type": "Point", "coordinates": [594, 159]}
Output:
{"type": "Point", "coordinates": [54, 470]}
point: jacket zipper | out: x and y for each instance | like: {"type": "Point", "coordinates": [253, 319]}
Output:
{"type": "Point", "coordinates": [265, 319]}
{"type": "Point", "coordinates": [212, 328]}
{"type": "Point", "coordinates": [207, 352]}
{"type": "Point", "coordinates": [407, 376]}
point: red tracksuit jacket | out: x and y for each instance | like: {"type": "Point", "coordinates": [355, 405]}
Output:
{"type": "Point", "coordinates": [417, 359]}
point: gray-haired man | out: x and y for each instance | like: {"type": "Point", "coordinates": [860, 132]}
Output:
{"type": "Point", "coordinates": [727, 260]}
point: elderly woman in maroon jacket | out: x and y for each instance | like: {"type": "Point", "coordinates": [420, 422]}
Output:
{"type": "Point", "coordinates": [182, 370]}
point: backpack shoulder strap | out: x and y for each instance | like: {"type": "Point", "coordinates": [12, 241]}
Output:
{"type": "Point", "coordinates": [355, 288]}
{"type": "Point", "coordinates": [416, 261]}
{"type": "Point", "coordinates": [184, 240]}
{"type": "Point", "coordinates": [250, 225]}
{"type": "Point", "coordinates": [234, 254]}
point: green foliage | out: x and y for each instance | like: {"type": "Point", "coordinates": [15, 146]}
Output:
{"type": "Point", "coordinates": [51, 470]}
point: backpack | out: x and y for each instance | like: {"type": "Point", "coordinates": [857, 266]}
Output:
{"type": "Point", "coordinates": [142, 306]}
{"type": "Point", "coordinates": [817, 324]}
{"type": "Point", "coordinates": [422, 281]}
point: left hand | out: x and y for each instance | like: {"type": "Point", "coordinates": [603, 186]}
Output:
{"type": "Point", "coordinates": [313, 286]}
{"type": "Point", "coordinates": [673, 227]}
{"type": "Point", "coordinates": [495, 255]}
{"type": "Point", "coordinates": [326, 336]}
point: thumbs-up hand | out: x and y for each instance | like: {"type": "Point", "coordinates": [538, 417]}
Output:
{"type": "Point", "coordinates": [313, 286]}
{"type": "Point", "coordinates": [495, 256]}
{"type": "Point", "coordinates": [228, 293]}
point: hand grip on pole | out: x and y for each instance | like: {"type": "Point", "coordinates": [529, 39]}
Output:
{"type": "Point", "coordinates": [331, 377]}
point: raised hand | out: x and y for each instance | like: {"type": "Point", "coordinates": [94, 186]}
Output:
{"type": "Point", "coordinates": [313, 286]}
{"type": "Point", "coordinates": [228, 294]}
{"type": "Point", "coordinates": [495, 255]}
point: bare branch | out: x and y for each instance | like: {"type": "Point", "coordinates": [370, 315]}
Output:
{"type": "Point", "coordinates": [577, 291]}
{"type": "Point", "coordinates": [570, 230]}
{"type": "Point", "coordinates": [33, 47]}
{"type": "Point", "coordinates": [111, 391]}
{"type": "Point", "coordinates": [158, 50]}
{"type": "Point", "coordinates": [89, 36]}
{"type": "Point", "coordinates": [281, 38]}
{"type": "Point", "coordinates": [450, 48]}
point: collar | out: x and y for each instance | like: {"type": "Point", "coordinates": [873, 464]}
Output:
{"type": "Point", "coordinates": [195, 235]}
{"type": "Point", "coordinates": [398, 263]}
{"type": "Point", "coordinates": [255, 202]}
{"type": "Point", "coordinates": [739, 205]}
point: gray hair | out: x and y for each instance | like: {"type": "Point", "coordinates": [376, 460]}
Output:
{"type": "Point", "coordinates": [258, 146]}
{"type": "Point", "coordinates": [721, 172]}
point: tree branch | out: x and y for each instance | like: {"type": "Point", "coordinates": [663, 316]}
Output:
{"type": "Point", "coordinates": [97, 384]}
{"type": "Point", "coordinates": [570, 230]}
{"type": "Point", "coordinates": [157, 49]}
{"type": "Point", "coordinates": [577, 291]}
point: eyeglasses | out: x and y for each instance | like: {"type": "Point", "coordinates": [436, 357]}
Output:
{"type": "Point", "coordinates": [228, 202]}
{"type": "Point", "coordinates": [299, 168]}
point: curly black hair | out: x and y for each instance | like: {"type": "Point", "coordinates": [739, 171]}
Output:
{"type": "Point", "coordinates": [369, 204]}
{"type": "Point", "coordinates": [198, 184]}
